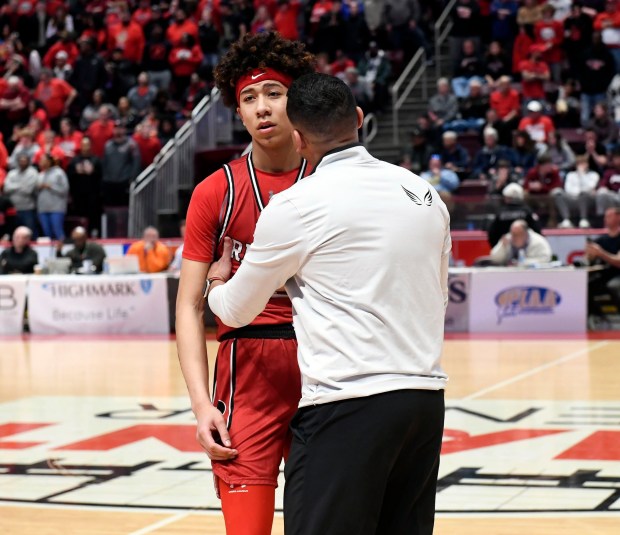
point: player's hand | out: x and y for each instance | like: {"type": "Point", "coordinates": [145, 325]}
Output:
{"type": "Point", "coordinates": [213, 436]}
{"type": "Point", "coordinates": [223, 266]}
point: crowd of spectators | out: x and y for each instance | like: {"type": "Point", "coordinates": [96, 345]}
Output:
{"type": "Point", "coordinates": [86, 256]}
{"type": "Point", "coordinates": [533, 99]}
{"type": "Point", "coordinates": [90, 90]}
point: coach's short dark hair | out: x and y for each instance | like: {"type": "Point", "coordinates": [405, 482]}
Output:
{"type": "Point", "coordinates": [321, 105]}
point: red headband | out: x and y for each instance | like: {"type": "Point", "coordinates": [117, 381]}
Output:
{"type": "Point", "coordinates": [260, 75]}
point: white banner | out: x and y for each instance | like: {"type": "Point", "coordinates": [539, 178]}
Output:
{"type": "Point", "coordinates": [98, 304]}
{"type": "Point", "coordinates": [457, 314]}
{"type": "Point", "coordinates": [515, 300]}
{"type": "Point", "coordinates": [12, 303]}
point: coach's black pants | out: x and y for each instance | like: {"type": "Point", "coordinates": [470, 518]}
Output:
{"type": "Point", "coordinates": [365, 466]}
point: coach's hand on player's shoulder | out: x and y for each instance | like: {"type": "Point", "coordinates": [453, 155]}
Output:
{"type": "Point", "coordinates": [223, 267]}
{"type": "Point", "coordinates": [213, 436]}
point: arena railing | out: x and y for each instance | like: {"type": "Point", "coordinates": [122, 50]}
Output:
{"type": "Point", "coordinates": [443, 26]}
{"type": "Point", "coordinates": [417, 66]}
{"type": "Point", "coordinates": [156, 190]}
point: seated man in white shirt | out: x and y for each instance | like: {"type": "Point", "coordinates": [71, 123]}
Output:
{"type": "Point", "coordinates": [521, 246]}
{"type": "Point", "coordinates": [579, 192]}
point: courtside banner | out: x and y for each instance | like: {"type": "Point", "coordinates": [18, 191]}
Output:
{"type": "Point", "coordinates": [528, 300]}
{"type": "Point", "coordinates": [98, 304]}
{"type": "Point", "coordinates": [12, 303]}
{"type": "Point", "coordinates": [457, 313]}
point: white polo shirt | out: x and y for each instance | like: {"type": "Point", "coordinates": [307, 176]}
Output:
{"type": "Point", "coordinates": [362, 246]}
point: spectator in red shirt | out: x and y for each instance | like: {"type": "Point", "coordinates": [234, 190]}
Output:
{"type": "Point", "coordinates": [285, 19]}
{"type": "Point", "coordinates": [185, 58]}
{"type": "Point", "coordinates": [506, 102]}
{"type": "Point", "coordinates": [262, 21]}
{"type": "Point", "coordinates": [543, 184]}
{"type": "Point", "coordinates": [534, 74]}
{"type": "Point", "coordinates": [319, 9]}
{"type": "Point", "coordinates": [544, 178]}
{"type": "Point", "coordinates": [271, 5]}
{"type": "Point", "coordinates": [66, 44]}
{"type": "Point", "coordinates": [128, 37]}
{"type": "Point", "coordinates": [14, 99]}
{"type": "Point", "coordinates": [196, 91]}
{"type": "Point", "coordinates": [148, 143]}
{"type": "Point", "coordinates": [101, 131]}
{"type": "Point", "coordinates": [608, 23]}
{"type": "Point", "coordinates": [536, 124]}
{"type": "Point", "coordinates": [69, 140]}
{"type": "Point", "coordinates": [48, 145]}
{"type": "Point", "coordinates": [181, 25]}
{"type": "Point", "coordinates": [549, 33]}
{"type": "Point", "coordinates": [94, 29]}
{"type": "Point", "coordinates": [53, 6]}
{"type": "Point", "coordinates": [56, 95]}
{"type": "Point", "coordinates": [341, 64]}
{"type": "Point", "coordinates": [143, 14]}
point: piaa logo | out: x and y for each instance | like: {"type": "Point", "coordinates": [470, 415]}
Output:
{"type": "Point", "coordinates": [146, 285]}
{"type": "Point", "coordinates": [526, 300]}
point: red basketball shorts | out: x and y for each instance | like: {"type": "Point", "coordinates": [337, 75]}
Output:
{"type": "Point", "coordinates": [257, 389]}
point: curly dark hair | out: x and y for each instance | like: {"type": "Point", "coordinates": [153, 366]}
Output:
{"type": "Point", "coordinates": [262, 50]}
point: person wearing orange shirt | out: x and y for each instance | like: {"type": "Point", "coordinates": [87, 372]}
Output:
{"type": "Point", "coordinates": [128, 37]}
{"type": "Point", "coordinates": [153, 255]}
{"type": "Point", "coordinates": [608, 23]}
{"type": "Point", "coordinates": [536, 124]}
{"type": "Point", "coordinates": [181, 25]}
{"type": "Point", "coordinates": [55, 94]}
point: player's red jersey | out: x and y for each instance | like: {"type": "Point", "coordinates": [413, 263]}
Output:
{"type": "Point", "coordinates": [228, 203]}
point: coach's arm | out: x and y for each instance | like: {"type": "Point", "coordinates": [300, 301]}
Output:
{"type": "Point", "coordinates": [278, 251]}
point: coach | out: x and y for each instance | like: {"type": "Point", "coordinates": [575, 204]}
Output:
{"type": "Point", "coordinates": [362, 247]}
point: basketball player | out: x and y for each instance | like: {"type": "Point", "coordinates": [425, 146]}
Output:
{"type": "Point", "coordinates": [244, 426]}
{"type": "Point", "coordinates": [363, 248]}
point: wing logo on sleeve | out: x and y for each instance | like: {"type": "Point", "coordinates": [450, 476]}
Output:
{"type": "Point", "coordinates": [428, 198]}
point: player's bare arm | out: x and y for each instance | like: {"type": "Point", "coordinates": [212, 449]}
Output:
{"type": "Point", "coordinates": [211, 431]}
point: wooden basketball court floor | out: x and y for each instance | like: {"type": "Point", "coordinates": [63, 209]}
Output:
{"type": "Point", "coordinates": [96, 437]}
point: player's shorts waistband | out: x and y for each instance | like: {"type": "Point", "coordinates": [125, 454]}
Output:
{"type": "Point", "coordinates": [271, 332]}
